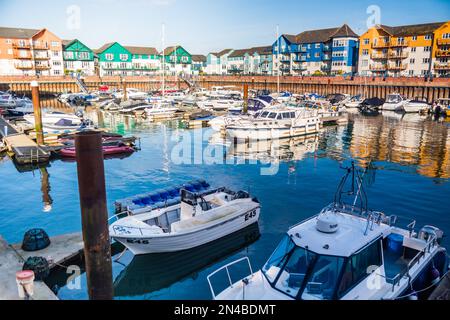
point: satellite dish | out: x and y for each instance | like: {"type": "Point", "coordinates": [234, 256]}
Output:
{"type": "Point", "coordinates": [327, 223]}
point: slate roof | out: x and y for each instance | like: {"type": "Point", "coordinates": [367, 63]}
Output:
{"type": "Point", "coordinates": [142, 50]}
{"type": "Point", "coordinates": [198, 58]}
{"type": "Point", "coordinates": [104, 47]}
{"type": "Point", "coordinates": [18, 33]}
{"type": "Point", "coordinates": [324, 35]}
{"type": "Point", "coordinates": [412, 30]}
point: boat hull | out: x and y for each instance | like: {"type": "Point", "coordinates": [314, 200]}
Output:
{"type": "Point", "coordinates": [272, 133]}
{"type": "Point", "coordinates": [184, 241]}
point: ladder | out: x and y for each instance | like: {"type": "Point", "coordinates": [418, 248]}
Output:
{"type": "Point", "coordinates": [81, 85]}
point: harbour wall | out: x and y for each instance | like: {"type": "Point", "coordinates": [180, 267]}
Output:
{"type": "Point", "coordinates": [429, 89]}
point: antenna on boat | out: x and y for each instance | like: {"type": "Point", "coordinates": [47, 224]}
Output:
{"type": "Point", "coordinates": [278, 58]}
{"type": "Point", "coordinates": [163, 34]}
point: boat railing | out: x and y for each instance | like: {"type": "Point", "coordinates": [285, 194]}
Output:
{"type": "Point", "coordinates": [227, 269]}
{"type": "Point", "coordinates": [116, 227]}
{"type": "Point", "coordinates": [395, 281]}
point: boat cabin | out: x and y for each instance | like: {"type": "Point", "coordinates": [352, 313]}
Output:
{"type": "Point", "coordinates": [340, 255]}
{"type": "Point", "coordinates": [395, 98]}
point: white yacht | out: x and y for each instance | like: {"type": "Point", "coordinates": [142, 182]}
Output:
{"type": "Point", "coordinates": [354, 102]}
{"type": "Point", "coordinates": [394, 102]}
{"type": "Point", "coordinates": [180, 219]}
{"type": "Point", "coordinates": [226, 104]}
{"type": "Point", "coordinates": [160, 111]}
{"type": "Point", "coordinates": [132, 93]}
{"type": "Point", "coordinates": [415, 106]}
{"type": "Point", "coordinates": [275, 123]}
{"type": "Point", "coordinates": [57, 121]}
{"type": "Point", "coordinates": [346, 252]}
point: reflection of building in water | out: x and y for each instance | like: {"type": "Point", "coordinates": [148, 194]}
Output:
{"type": "Point", "coordinates": [274, 151]}
{"type": "Point", "coordinates": [406, 140]}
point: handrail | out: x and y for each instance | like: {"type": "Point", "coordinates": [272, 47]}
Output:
{"type": "Point", "coordinates": [226, 267]}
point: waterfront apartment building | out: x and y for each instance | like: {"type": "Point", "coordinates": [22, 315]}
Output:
{"type": "Point", "coordinates": [198, 64]}
{"type": "Point", "coordinates": [177, 60]}
{"type": "Point", "coordinates": [145, 60]}
{"type": "Point", "coordinates": [114, 60]}
{"type": "Point", "coordinates": [30, 52]}
{"type": "Point", "coordinates": [78, 58]}
{"type": "Point", "coordinates": [252, 61]}
{"type": "Point", "coordinates": [315, 52]}
{"type": "Point", "coordinates": [217, 62]}
{"type": "Point", "coordinates": [411, 50]}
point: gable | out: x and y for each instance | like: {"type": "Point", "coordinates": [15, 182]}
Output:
{"type": "Point", "coordinates": [77, 45]}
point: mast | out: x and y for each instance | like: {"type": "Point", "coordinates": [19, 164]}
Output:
{"type": "Point", "coordinates": [163, 60]}
{"type": "Point", "coordinates": [278, 58]}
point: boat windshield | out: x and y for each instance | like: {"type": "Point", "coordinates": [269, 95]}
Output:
{"type": "Point", "coordinates": [393, 98]}
{"type": "Point", "coordinates": [303, 274]}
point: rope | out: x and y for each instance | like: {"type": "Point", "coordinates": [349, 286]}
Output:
{"type": "Point", "coordinates": [431, 286]}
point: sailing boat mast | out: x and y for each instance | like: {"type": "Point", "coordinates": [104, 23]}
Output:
{"type": "Point", "coordinates": [278, 58]}
{"type": "Point", "coordinates": [163, 60]}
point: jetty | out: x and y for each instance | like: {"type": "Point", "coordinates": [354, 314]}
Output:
{"type": "Point", "coordinates": [21, 147]}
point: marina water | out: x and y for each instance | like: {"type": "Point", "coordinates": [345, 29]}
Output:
{"type": "Point", "coordinates": [293, 181]}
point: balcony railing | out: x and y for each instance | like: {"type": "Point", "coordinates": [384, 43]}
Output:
{"type": "Point", "coordinates": [442, 66]}
{"type": "Point", "coordinates": [298, 67]}
{"type": "Point", "coordinates": [23, 66]}
{"type": "Point", "coordinates": [380, 44]}
{"type": "Point", "coordinates": [285, 59]}
{"type": "Point", "coordinates": [379, 67]}
{"type": "Point", "coordinates": [327, 48]}
{"type": "Point", "coordinates": [42, 67]}
{"type": "Point", "coordinates": [397, 67]}
{"type": "Point", "coordinates": [40, 46]}
{"type": "Point", "coordinates": [398, 43]}
{"type": "Point", "coordinates": [442, 42]}
{"type": "Point", "coordinates": [18, 45]}
{"type": "Point", "coordinates": [326, 57]}
{"type": "Point", "coordinates": [41, 57]}
{"type": "Point", "coordinates": [22, 56]}
{"type": "Point", "coordinates": [378, 56]}
{"type": "Point", "coordinates": [443, 53]}
{"type": "Point", "coordinates": [398, 55]}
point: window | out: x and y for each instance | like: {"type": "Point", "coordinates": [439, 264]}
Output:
{"type": "Point", "coordinates": [55, 53]}
{"type": "Point", "coordinates": [427, 49]}
{"type": "Point", "coordinates": [366, 41]}
{"type": "Point", "coordinates": [317, 55]}
{"type": "Point", "coordinates": [414, 38]}
{"type": "Point", "coordinates": [109, 56]}
{"type": "Point", "coordinates": [83, 55]}
{"type": "Point", "coordinates": [413, 49]}
{"type": "Point", "coordinates": [426, 60]}
{"type": "Point", "coordinates": [57, 72]}
{"type": "Point", "coordinates": [446, 36]}
{"type": "Point", "coordinates": [85, 64]}
{"type": "Point", "coordinates": [412, 60]}
{"type": "Point", "coordinates": [8, 41]}
{"type": "Point", "coordinates": [358, 266]}
{"type": "Point", "coordinates": [272, 115]}
{"type": "Point", "coordinates": [317, 45]}
{"type": "Point", "coordinates": [428, 37]}
{"type": "Point", "coordinates": [123, 56]}
{"type": "Point", "coordinates": [365, 52]}
{"type": "Point", "coordinates": [68, 55]}
{"type": "Point", "coordinates": [54, 43]}
{"type": "Point", "coordinates": [10, 51]}
{"type": "Point", "coordinates": [56, 63]}
{"type": "Point", "coordinates": [184, 59]}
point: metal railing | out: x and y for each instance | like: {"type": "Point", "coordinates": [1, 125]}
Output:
{"type": "Point", "coordinates": [226, 267]}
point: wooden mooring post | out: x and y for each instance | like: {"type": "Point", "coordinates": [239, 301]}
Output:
{"type": "Point", "coordinates": [94, 215]}
{"type": "Point", "coordinates": [37, 112]}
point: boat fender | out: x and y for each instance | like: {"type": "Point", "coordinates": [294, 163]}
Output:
{"type": "Point", "coordinates": [435, 275]}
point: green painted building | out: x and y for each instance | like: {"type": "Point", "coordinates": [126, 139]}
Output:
{"type": "Point", "coordinates": [177, 60]}
{"type": "Point", "coordinates": [78, 58]}
{"type": "Point", "coordinates": [114, 60]}
{"type": "Point", "coordinates": [146, 61]}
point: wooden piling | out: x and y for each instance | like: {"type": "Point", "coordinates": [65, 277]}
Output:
{"type": "Point", "coordinates": [94, 215]}
{"type": "Point", "coordinates": [37, 112]}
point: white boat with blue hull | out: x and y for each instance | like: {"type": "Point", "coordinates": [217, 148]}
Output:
{"type": "Point", "coordinates": [194, 220]}
{"type": "Point", "coordinates": [347, 252]}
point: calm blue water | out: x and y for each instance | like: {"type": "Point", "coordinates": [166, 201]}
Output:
{"type": "Point", "coordinates": [412, 155]}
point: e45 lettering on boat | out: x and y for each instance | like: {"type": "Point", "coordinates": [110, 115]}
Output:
{"type": "Point", "coordinates": [250, 215]}
{"type": "Point", "coordinates": [137, 241]}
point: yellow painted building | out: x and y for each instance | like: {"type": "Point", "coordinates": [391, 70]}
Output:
{"type": "Point", "coordinates": [410, 50]}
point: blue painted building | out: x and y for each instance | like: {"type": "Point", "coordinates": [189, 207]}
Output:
{"type": "Point", "coordinates": [324, 51]}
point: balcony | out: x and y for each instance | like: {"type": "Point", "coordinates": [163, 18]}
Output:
{"type": "Point", "coordinates": [380, 45]}
{"type": "Point", "coordinates": [397, 67]}
{"type": "Point", "coordinates": [398, 55]}
{"type": "Point", "coordinates": [38, 46]}
{"type": "Point", "coordinates": [443, 42]}
{"type": "Point", "coordinates": [325, 67]}
{"type": "Point", "coordinates": [378, 67]}
{"type": "Point", "coordinates": [285, 59]}
{"type": "Point", "coordinates": [442, 66]}
{"type": "Point", "coordinates": [298, 67]}
{"type": "Point", "coordinates": [326, 48]}
{"type": "Point", "coordinates": [398, 43]}
{"type": "Point", "coordinates": [41, 57]}
{"type": "Point", "coordinates": [42, 67]}
{"type": "Point", "coordinates": [326, 57]}
{"type": "Point", "coordinates": [19, 56]}
{"type": "Point", "coordinates": [378, 56]}
{"type": "Point", "coordinates": [19, 45]}
{"type": "Point", "coordinates": [23, 66]}
{"type": "Point", "coordinates": [442, 53]}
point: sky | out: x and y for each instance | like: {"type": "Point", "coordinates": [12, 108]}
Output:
{"type": "Point", "coordinates": [203, 26]}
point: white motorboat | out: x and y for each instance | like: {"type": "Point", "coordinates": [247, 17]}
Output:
{"type": "Point", "coordinates": [394, 102]}
{"type": "Point", "coordinates": [276, 123]}
{"type": "Point", "coordinates": [226, 104]}
{"type": "Point", "coordinates": [57, 121]}
{"type": "Point", "coordinates": [207, 104]}
{"type": "Point", "coordinates": [415, 106]}
{"type": "Point", "coordinates": [168, 222]}
{"type": "Point", "coordinates": [8, 100]}
{"type": "Point", "coordinates": [131, 106]}
{"type": "Point", "coordinates": [132, 93]}
{"type": "Point", "coordinates": [160, 111]}
{"type": "Point", "coordinates": [347, 252]}
{"type": "Point", "coordinates": [354, 102]}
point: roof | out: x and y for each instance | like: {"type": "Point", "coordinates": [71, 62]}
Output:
{"type": "Point", "coordinates": [324, 35]}
{"type": "Point", "coordinates": [290, 37]}
{"type": "Point", "coordinates": [221, 53]}
{"type": "Point", "coordinates": [412, 30]}
{"type": "Point", "coordinates": [262, 50]}
{"type": "Point", "coordinates": [348, 239]}
{"type": "Point", "coordinates": [104, 47]}
{"type": "Point", "coordinates": [238, 53]}
{"type": "Point", "coordinates": [345, 31]}
{"type": "Point", "coordinates": [142, 50]}
{"type": "Point", "coordinates": [66, 43]}
{"type": "Point", "coordinates": [198, 57]}
{"type": "Point", "coordinates": [18, 33]}
{"type": "Point", "coordinates": [169, 50]}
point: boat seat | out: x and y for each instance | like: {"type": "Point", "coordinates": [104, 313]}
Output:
{"type": "Point", "coordinates": [202, 219]}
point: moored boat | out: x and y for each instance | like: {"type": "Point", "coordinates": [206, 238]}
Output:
{"type": "Point", "coordinates": [179, 219]}
{"type": "Point", "coordinates": [107, 150]}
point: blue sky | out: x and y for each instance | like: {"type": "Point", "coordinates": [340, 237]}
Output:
{"type": "Point", "coordinates": [202, 26]}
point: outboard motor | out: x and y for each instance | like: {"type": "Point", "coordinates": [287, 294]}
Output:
{"type": "Point", "coordinates": [430, 231]}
